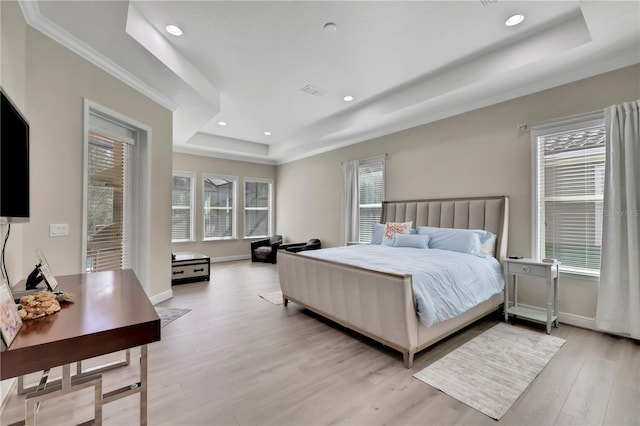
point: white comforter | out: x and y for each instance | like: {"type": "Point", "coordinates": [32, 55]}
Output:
{"type": "Point", "coordinates": [445, 283]}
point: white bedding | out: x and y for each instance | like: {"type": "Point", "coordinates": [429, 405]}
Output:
{"type": "Point", "coordinates": [445, 283]}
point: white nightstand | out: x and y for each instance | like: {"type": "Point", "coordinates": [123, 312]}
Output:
{"type": "Point", "coordinates": [534, 268]}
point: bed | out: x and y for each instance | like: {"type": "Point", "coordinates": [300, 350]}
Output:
{"type": "Point", "coordinates": [381, 304]}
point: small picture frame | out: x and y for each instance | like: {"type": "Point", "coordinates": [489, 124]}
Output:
{"type": "Point", "coordinates": [10, 321]}
{"type": "Point", "coordinates": [45, 271]}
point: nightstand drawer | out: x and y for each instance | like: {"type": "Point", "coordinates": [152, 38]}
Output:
{"type": "Point", "coordinates": [519, 268]}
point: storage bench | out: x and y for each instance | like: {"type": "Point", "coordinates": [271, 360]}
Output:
{"type": "Point", "coordinates": [189, 267]}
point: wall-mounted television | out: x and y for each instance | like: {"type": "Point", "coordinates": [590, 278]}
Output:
{"type": "Point", "coordinates": [14, 163]}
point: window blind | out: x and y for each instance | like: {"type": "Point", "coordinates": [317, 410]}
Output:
{"type": "Point", "coordinates": [219, 207]}
{"type": "Point", "coordinates": [570, 191]}
{"type": "Point", "coordinates": [257, 210]}
{"type": "Point", "coordinates": [182, 207]}
{"type": "Point", "coordinates": [371, 195]}
{"type": "Point", "coordinates": [107, 228]}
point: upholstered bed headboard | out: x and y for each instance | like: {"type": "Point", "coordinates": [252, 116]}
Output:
{"type": "Point", "coordinates": [488, 213]}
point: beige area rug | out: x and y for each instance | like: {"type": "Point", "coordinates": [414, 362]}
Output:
{"type": "Point", "coordinates": [274, 297]}
{"type": "Point", "coordinates": [491, 371]}
{"type": "Point", "coordinates": [168, 315]}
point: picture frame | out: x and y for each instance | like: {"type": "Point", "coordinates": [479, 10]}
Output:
{"type": "Point", "coordinates": [10, 321]}
{"type": "Point", "coordinates": [45, 271]}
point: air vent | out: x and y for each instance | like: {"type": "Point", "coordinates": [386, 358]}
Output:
{"type": "Point", "coordinates": [313, 90]}
{"type": "Point", "coordinates": [488, 2]}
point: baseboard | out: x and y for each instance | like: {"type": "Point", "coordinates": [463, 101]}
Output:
{"type": "Point", "coordinates": [230, 258]}
{"type": "Point", "coordinates": [159, 298]}
{"type": "Point", "coordinates": [578, 321]}
{"type": "Point", "coordinates": [569, 319]}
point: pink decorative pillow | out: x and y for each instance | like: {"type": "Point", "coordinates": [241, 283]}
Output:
{"type": "Point", "coordinates": [393, 228]}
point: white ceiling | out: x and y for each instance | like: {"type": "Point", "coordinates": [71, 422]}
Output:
{"type": "Point", "coordinates": [406, 63]}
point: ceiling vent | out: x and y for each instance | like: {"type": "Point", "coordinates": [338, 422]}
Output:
{"type": "Point", "coordinates": [488, 2]}
{"type": "Point", "coordinates": [313, 90]}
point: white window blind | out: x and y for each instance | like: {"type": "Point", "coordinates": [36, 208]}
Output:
{"type": "Point", "coordinates": [182, 206]}
{"type": "Point", "coordinates": [569, 194]}
{"type": "Point", "coordinates": [370, 195]}
{"type": "Point", "coordinates": [257, 207]}
{"type": "Point", "coordinates": [107, 203]}
{"type": "Point", "coordinates": [219, 198]}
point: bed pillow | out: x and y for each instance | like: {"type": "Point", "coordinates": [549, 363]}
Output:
{"type": "Point", "coordinates": [484, 235]}
{"type": "Point", "coordinates": [461, 240]}
{"type": "Point", "coordinates": [378, 232]}
{"type": "Point", "coordinates": [489, 246]}
{"type": "Point", "coordinates": [411, 240]}
{"type": "Point", "coordinates": [393, 228]}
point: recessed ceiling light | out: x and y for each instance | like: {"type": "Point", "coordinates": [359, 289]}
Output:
{"type": "Point", "coordinates": [514, 20]}
{"type": "Point", "coordinates": [174, 30]}
{"type": "Point", "coordinates": [330, 27]}
{"type": "Point", "coordinates": [222, 123]}
{"type": "Point", "coordinates": [267, 133]}
{"type": "Point", "coordinates": [348, 98]}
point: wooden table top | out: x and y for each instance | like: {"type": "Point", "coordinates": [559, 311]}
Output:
{"type": "Point", "coordinates": [110, 312]}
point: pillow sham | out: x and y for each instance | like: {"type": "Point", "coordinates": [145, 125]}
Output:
{"type": "Point", "coordinates": [411, 240]}
{"type": "Point", "coordinates": [393, 228]}
{"type": "Point", "coordinates": [378, 233]}
{"type": "Point", "coordinates": [461, 240]}
{"type": "Point", "coordinates": [489, 246]}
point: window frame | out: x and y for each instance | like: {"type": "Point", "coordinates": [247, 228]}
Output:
{"type": "Point", "coordinates": [104, 123]}
{"type": "Point", "coordinates": [234, 209]}
{"type": "Point", "coordinates": [192, 207]}
{"type": "Point", "coordinates": [365, 163]}
{"type": "Point", "coordinates": [245, 208]}
{"type": "Point", "coordinates": [572, 124]}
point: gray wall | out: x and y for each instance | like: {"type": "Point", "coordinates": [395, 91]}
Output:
{"type": "Point", "coordinates": [474, 154]}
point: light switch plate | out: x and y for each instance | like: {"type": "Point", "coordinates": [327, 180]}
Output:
{"type": "Point", "coordinates": [58, 229]}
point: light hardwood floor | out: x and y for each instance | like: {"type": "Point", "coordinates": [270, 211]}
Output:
{"type": "Point", "coordinates": [236, 359]}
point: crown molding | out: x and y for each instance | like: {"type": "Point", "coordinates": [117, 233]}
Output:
{"type": "Point", "coordinates": [35, 19]}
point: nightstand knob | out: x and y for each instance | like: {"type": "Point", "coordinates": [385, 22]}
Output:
{"type": "Point", "coordinates": [526, 269]}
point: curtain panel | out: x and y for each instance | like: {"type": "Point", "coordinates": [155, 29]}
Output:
{"type": "Point", "coordinates": [618, 308]}
{"type": "Point", "coordinates": [349, 212]}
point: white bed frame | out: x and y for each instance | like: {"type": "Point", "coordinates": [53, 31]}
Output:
{"type": "Point", "coordinates": [381, 305]}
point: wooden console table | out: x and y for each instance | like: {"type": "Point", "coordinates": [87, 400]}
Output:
{"type": "Point", "coordinates": [111, 312]}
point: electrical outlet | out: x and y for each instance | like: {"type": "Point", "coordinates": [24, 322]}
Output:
{"type": "Point", "coordinates": [58, 229]}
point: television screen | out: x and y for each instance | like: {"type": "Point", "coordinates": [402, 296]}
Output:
{"type": "Point", "coordinates": [14, 163]}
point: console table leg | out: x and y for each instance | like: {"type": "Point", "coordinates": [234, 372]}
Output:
{"type": "Point", "coordinates": [66, 386]}
{"type": "Point", "coordinates": [143, 385]}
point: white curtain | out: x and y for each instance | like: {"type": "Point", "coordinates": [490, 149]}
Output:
{"type": "Point", "coordinates": [619, 294]}
{"type": "Point", "coordinates": [349, 216]}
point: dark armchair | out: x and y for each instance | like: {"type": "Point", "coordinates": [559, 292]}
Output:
{"type": "Point", "coordinates": [312, 244]}
{"type": "Point", "coordinates": [266, 250]}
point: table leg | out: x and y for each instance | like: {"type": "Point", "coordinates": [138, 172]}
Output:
{"type": "Point", "coordinates": [550, 302]}
{"type": "Point", "coordinates": [79, 372]}
{"type": "Point", "coordinates": [506, 298]}
{"type": "Point", "coordinates": [67, 385]}
{"type": "Point", "coordinates": [143, 385]}
{"type": "Point", "coordinates": [556, 291]}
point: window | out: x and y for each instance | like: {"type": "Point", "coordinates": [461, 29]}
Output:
{"type": "Point", "coordinates": [568, 193]}
{"type": "Point", "coordinates": [108, 199]}
{"type": "Point", "coordinates": [219, 201]}
{"type": "Point", "coordinates": [182, 208]}
{"type": "Point", "coordinates": [257, 207]}
{"type": "Point", "coordinates": [370, 195]}
{"type": "Point", "coordinates": [116, 189]}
